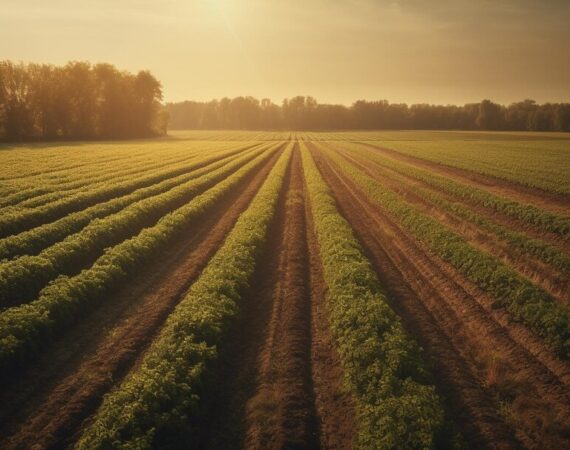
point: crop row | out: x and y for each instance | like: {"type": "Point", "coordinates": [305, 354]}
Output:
{"type": "Point", "coordinates": [33, 180]}
{"type": "Point", "coordinates": [42, 192]}
{"type": "Point", "coordinates": [35, 240]}
{"type": "Point", "coordinates": [23, 162]}
{"type": "Point", "coordinates": [397, 403]}
{"type": "Point", "coordinates": [68, 181]}
{"type": "Point", "coordinates": [22, 278]}
{"type": "Point", "coordinates": [534, 163]}
{"type": "Point", "coordinates": [524, 300]}
{"type": "Point", "coordinates": [25, 329]}
{"type": "Point", "coordinates": [17, 221]}
{"type": "Point", "coordinates": [47, 167]}
{"type": "Point", "coordinates": [522, 242]}
{"type": "Point", "coordinates": [526, 213]}
{"type": "Point", "coordinates": [38, 190]}
{"type": "Point", "coordinates": [157, 399]}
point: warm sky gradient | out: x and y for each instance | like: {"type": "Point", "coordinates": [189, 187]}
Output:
{"type": "Point", "coordinates": [437, 51]}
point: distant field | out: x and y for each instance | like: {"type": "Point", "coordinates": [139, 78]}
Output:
{"type": "Point", "coordinates": [235, 289]}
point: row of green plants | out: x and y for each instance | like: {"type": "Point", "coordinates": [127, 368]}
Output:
{"type": "Point", "coordinates": [525, 213]}
{"type": "Point", "coordinates": [26, 329]}
{"type": "Point", "coordinates": [157, 401]}
{"type": "Point", "coordinates": [92, 172]}
{"type": "Point", "coordinates": [52, 163]}
{"type": "Point", "coordinates": [34, 176]}
{"type": "Point", "coordinates": [16, 221]}
{"type": "Point", "coordinates": [539, 162]}
{"type": "Point", "coordinates": [536, 248]}
{"type": "Point", "coordinates": [397, 406]}
{"type": "Point", "coordinates": [22, 278]}
{"type": "Point", "coordinates": [95, 177]}
{"type": "Point", "coordinates": [43, 189]}
{"type": "Point", "coordinates": [33, 241]}
{"type": "Point", "coordinates": [525, 301]}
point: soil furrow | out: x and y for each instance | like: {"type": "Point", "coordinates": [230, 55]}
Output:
{"type": "Point", "coordinates": [278, 382]}
{"type": "Point", "coordinates": [281, 413]}
{"type": "Point", "coordinates": [552, 281]}
{"type": "Point", "coordinates": [45, 406]}
{"type": "Point", "coordinates": [547, 200]}
{"type": "Point", "coordinates": [492, 351]}
{"type": "Point", "coordinates": [262, 396]}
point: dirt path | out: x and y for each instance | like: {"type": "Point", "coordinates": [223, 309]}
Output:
{"type": "Point", "coordinates": [495, 375]}
{"type": "Point", "coordinates": [278, 377]}
{"type": "Point", "coordinates": [547, 277]}
{"type": "Point", "coordinates": [45, 406]}
{"type": "Point", "coordinates": [555, 203]}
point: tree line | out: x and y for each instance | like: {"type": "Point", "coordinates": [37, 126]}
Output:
{"type": "Point", "coordinates": [78, 101]}
{"type": "Point", "coordinates": [305, 113]}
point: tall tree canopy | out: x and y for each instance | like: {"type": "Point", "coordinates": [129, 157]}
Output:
{"type": "Point", "coordinates": [78, 101]}
{"type": "Point", "coordinates": [305, 113]}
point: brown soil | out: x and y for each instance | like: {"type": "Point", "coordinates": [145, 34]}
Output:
{"type": "Point", "coordinates": [281, 412]}
{"type": "Point", "coordinates": [547, 200]}
{"type": "Point", "coordinates": [279, 381]}
{"type": "Point", "coordinates": [547, 277]}
{"type": "Point", "coordinates": [500, 381]}
{"type": "Point", "coordinates": [45, 406]}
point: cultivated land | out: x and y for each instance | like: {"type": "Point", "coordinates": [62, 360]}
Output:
{"type": "Point", "coordinates": [229, 289]}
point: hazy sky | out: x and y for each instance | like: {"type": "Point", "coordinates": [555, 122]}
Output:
{"type": "Point", "coordinates": [438, 51]}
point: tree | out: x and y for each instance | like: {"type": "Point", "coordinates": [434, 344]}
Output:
{"type": "Point", "coordinates": [15, 96]}
{"type": "Point", "coordinates": [490, 116]}
{"type": "Point", "coordinates": [301, 113]}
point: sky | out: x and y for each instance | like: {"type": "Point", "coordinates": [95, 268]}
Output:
{"type": "Point", "coordinates": [338, 51]}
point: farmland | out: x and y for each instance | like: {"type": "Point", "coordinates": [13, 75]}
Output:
{"type": "Point", "coordinates": [240, 289]}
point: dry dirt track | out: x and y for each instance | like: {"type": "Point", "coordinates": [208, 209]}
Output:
{"type": "Point", "coordinates": [47, 404]}
{"type": "Point", "coordinates": [480, 357]}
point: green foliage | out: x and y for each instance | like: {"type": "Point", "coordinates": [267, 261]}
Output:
{"type": "Point", "coordinates": [525, 301]}
{"type": "Point", "coordinates": [16, 220]}
{"type": "Point", "coordinates": [160, 396]}
{"type": "Point", "coordinates": [397, 405]}
{"type": "Point", "coordinates": [36, 239]}
{"type": "Point", "coordinates": [22, 278]}
{"type": "Point", "coordinates": [534, 247]}
{"type": "Point", "coordinates": [535, 160]}
{"type": "Point", "coordinates": [27, 328]}
{"type": "Point", "coordinates": [77, 101]}
{"type": "Point", "coordinates": [305, 113]}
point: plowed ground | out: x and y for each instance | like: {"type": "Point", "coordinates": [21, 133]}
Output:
{"type": "Point", "coordinates": [278, 380]}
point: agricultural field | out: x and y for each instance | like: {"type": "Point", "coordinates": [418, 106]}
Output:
{"type": "Point", "coordinates": [264, 290]}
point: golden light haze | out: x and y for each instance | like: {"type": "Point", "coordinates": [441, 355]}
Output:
{"type": "Point", "coordinates": [441, 51]}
